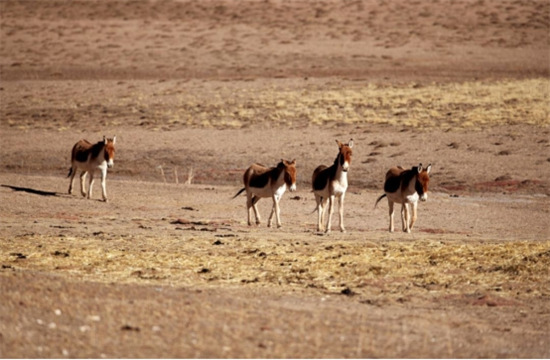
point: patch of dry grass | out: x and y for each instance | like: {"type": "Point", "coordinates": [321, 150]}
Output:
{"type": "Point", "coordinates": [451, 105]}
{"type": "Point", "coordinates": [371, 269]}
{"type": "Point", "coordinates": [165, 105]}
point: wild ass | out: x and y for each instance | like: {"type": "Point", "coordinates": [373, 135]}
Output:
{"type": "Point", "coordinates": [88, 157]}
{"type": "Point", "coordinates": [406, 187]}
{"type": "Point", "coordinates": [261, 182]}
{"type": "Point", "coordinates": [332, 182]}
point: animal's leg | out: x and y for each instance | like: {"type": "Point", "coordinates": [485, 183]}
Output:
{"type": "Point", "coordinates": [255, 199]}
{"type": "Point", "coordinates": [390, 205]}
{"type": "Point", "coordinates": [414, 206]}
{"type": "Point", "coordinates": [405, 215]}
{"type": "Point", "coordinates": [325, 210]}
{"type": "Point", "coordinates": [330, 212]}
{"type": "Point", "coordinates": [403, 220]}
{"type": "Point", "coordinates": [103, 185]}
{"type": "Point", "coordinates": [277, 210]}
{"type": "Point", "coordinates": [341, 212]}
{"type": "Point", "coordinates": [73, 173]}
{"type": "Point", "coordinates": [319, 201]}
{"type": "Point", "coordinates": [271, 214]}
{"type": "Point", "coordinates": [248, 206]}
{"type": "Point", "coordinates": [91, 184]}
{"type": "Point", "coordinates": [83, 183]}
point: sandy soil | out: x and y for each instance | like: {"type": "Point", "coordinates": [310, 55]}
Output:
{"type": "Point", "coordinates": [196, 92]}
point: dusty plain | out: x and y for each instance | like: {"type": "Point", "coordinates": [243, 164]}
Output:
{"type": "Point", "coordinates": [198, 90]}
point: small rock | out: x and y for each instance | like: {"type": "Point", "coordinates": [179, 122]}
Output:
{"type": "Point", "coordinates": [348, 292]}
{"type": "Point", "coordinates": [130, 328]}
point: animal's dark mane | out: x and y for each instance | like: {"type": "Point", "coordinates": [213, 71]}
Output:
{"type": "Point", "coordinates": [324, 175]}
{"type": "Point", "coordinates": [402, 180]}
{"type": "Point", "coordinates": [97, 148]}
{"type": "Point", "coordinates": [407, 177]}
{"type": "Point", "coordinates": [261, 180]}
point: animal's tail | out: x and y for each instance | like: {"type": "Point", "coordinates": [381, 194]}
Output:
{"type": "Point", "coordinates": [314, 210]}
{"type": "Point", "coordinates": [380, 198]}
{"type": "Point", "coordinates": [70, 172]}
{"type": "Point", "coordinates": [239, 193]}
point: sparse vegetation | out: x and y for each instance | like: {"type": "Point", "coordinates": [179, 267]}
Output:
{"type": "Point", "coordinates": [386, 271]}
{"type": "Point", "coordinates": [199, 90]}
{"type": "Point", "coordinates": [161, 106]}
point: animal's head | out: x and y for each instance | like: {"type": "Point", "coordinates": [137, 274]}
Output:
{"type": "Point", "coordinates": [344, 155]}
{"type": "Point", "coordinates": [290, 173]}
{"type": "Point", "coordinates": [109, 152]}
{"type": "Point", "coordinates": [422, 181]}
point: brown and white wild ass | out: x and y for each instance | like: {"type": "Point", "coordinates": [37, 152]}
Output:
{"type": "Point", "coordinates": [88, 157]}
{"type": "Point", "coordinates": [332, 182]}
{"type": "Point", "coordinates": [261, 182]}
{"type": "Point", "coordinates": [406, 187]}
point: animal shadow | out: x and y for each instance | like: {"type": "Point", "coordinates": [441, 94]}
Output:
{"type": "Point", "coordinates": [31, 191]}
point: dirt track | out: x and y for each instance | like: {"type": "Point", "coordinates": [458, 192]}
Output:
{"type": "Point", "coordinates": [198, 91]}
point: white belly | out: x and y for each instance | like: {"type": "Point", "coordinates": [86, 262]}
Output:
{"type": "Point", "coordinates": [91, 165]}
{"type": "Point", "coordinates": [338, 188]}
{"type": "Point", "coordinates": [266, 191]}
{"type": "Point", "coordinates": [397, 198]}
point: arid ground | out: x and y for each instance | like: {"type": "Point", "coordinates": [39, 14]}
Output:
{"type": "Point", "coordinates": [195, 92]}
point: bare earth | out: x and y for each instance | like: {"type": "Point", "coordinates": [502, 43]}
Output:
{"type": "Point", "coordinates": [196, 92]}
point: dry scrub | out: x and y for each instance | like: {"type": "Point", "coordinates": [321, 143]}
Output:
{"type": "Point", "coordinates": [373, 271]}
{"type": "Point", "coordinates": [167, 105]}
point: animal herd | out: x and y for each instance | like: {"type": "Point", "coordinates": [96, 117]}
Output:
{"type": "Point", "coordinates": [329, 183]}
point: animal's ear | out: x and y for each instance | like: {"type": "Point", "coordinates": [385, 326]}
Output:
{"type": "Point", "coordinates": [419, 168]}
{"type": "Point", "coordinates": [339, 144]}
{"type": "Point", "coordinates": [293, 162]}
{"type": "Point", "coordinates": [104, 139]}
{"type": "Point", "coordinates": [429, 168]}
{"type": "Point", "coordinates": [350, 143]}
{"type": "Point", "coordinates": [114, 139]}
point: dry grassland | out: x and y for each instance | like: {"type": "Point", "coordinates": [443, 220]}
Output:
{"type": "Point", "coordinates": [374, 271]}
{"type": "Point", "coordinates": [167, 105]}
{"type": "Point", "coordinates": [197, 91]}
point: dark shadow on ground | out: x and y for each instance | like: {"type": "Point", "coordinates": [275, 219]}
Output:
{"type": "Point", "coordinates": [31, 191]}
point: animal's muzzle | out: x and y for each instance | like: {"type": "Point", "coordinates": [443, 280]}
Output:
{"type": "Point", "coordinates": [424, 197]}
{"type": "Point", "coordinates": [345, 167]}
{"type": "Point", "coordinates": [293, 187]}
{"type": "Point", "coordinates": [110, 164]}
